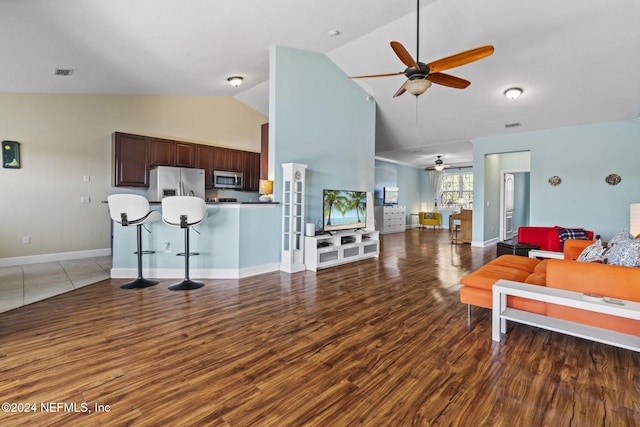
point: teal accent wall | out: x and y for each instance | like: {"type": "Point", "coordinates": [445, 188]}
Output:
{"type": "Point", "coordinates": [318, 117]}
{"type": "Point", "coordinates": [582, 156]}
{"type": "Point", "coordinates": [414, 185]}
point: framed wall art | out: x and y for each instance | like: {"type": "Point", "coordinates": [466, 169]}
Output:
{"type": "Point", "coordinates": [10, 154]}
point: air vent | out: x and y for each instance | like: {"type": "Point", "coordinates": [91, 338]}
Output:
{"type": "Point", "coordinates": [513, 125]}
{"type": "Point", "coordinates": [63, 72]}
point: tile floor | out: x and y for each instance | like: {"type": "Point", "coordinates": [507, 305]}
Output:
{"type": "Point", "coordinates": [24, 284]}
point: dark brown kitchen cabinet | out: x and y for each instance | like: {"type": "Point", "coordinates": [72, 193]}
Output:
{"type": "Point", "coordinates": [220, 159]}
{"type": "Point", "coordinates": [185, 155]}
{"type": "Point", "coordinates": [134, 155]}
{"type": "Point", "coordinates": [130, 160]}
{"type": "Point", "coordinates": [205, 160]}
{"type": "Point", "coordinates": [162, 152]}
{"type": "Point", "coordinates": [236, 160]}
{"type": "Point", "coordinates": [251, 171]}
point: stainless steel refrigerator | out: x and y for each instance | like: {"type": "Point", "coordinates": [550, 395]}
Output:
{"type": "Point", "coordinates": [170, 181]}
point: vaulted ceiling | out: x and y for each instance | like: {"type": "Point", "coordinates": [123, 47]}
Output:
{"type": "Point", "coordinates": [577, 62]}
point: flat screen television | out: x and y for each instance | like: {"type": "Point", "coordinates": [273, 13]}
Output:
{"type": "Point", "coordinates": [390, 196]}
{"type": "Point", "coordinates": [344, 210]}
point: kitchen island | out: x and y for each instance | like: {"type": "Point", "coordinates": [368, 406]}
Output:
{"type": "Point", "coordinates": [236, 240]}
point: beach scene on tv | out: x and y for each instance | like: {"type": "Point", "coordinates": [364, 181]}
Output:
{"type": "Point", "coordinates": [344, 209]}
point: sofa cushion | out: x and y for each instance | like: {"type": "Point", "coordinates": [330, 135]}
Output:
{"type": "Point", "coordinates": [619, 237]}
{"type": "Point", "coordinates": [485, 277]}
{"type": "Point", "coordinates": [595, 252]}
{"type": "Point", "coordinates": [517, 262]}
{"type": "Point", "coordinates": [626, 253]}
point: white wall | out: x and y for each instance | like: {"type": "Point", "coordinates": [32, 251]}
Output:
{"type": "Point", "coordinates": [67, 137]}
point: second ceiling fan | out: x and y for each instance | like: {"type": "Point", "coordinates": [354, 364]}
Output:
{"type": "Point", "coordinates": [420, 75]}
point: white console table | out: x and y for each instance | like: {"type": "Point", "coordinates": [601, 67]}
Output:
{"type": "Point", "coordinates": [539, 253]}
{"type": "Point", "coordinates": [328, 250]}
{"type": "Point", "coordinates": [502, 313]}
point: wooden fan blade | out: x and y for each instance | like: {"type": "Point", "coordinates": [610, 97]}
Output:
{"type": "Point", "coordinates": [377, 75]}
{"type": "Point", "coordinates": [460, 59]}
{"type": "Point", "coordinates": [404, 56]}
{"type": "Point", "coordinates": [401, 90]}
{"type": "Point", "coordinates": [448, 80]}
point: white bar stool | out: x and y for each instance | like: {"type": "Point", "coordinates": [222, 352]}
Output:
{"type": "Point", "coordinates": [184, 212]}
{"type": "Point", "coordinates": [131, 209]}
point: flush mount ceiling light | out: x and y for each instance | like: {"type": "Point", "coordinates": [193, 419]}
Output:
{"type": "Point", "coordinates": [235, 81]}
{"type": "Point", "coordinates": [513, 93]}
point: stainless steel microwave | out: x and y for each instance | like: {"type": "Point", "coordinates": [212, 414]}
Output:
{"type": "Point", "coordinates": [224, 179]}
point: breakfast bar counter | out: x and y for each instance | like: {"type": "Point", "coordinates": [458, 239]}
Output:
{"type": "Point", "coordinates": [235, 240]}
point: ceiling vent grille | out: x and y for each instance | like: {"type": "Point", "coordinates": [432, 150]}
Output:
{"type": "Point", "coordinates": [513, 125]}
{"type": "Point", "coordinates": [63, 71]}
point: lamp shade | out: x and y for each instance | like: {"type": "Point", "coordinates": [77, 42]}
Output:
{"type": "Point", "coordinates": [634, 219]}
{"type": "Point", "coordinates": [265, 186]}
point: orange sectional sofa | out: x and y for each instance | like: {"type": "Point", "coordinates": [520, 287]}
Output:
{"type": "Point", "coordinates": [591, 278]}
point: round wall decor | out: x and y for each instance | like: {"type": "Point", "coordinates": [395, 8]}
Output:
{"type": "Point", "coordinates": [613, 179]}
{"type": "Point", "coordinates": [555, 180]}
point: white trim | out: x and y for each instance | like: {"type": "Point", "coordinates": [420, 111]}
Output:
{"type": "Point", "coordinates": [200, 273]}
{"type": "Point", "coordinates": [486, 243]}
{"type": "Point", "coordinates": [61, 256]}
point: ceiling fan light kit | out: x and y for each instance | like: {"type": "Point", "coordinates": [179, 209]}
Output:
{"type": "Point", "coordinates": [417, 87]}
{"type": "Point", "coordinates": [235, 81]}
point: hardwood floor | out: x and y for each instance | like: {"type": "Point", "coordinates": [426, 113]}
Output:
{"type": "Point", "coordinates": [379, 342]}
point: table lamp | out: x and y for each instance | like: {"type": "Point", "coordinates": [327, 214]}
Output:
{"type": "Point", "coordinates": [266, 189]}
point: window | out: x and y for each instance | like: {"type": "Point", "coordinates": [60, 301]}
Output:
{"type": "Point", "coordinates": [455, 187]}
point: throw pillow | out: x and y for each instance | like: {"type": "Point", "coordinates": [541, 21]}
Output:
{"type": "Point", "coordinates": [571, 233]}
{"type": "Point", "coordinates": [593, 253]}
{"type": "Point", "coordinates": [428, 215]}
{"type": "Point", "coordinates": [626, 253]}
{"type": "Point", "coordinates": [619, 237]}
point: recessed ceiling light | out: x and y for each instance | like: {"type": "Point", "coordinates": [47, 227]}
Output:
{"type": "Point", "coordinates": [334, 33]}
{"type": "Point", "coordinates": [235, 81]}
{"type": "Point", "coordinates": [513, 93]}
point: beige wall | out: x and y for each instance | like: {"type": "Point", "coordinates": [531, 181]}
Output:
{"type": "Point", "coordinates": [64, 138]}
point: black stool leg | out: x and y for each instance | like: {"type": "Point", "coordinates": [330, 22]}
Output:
{"type": "Point", "coordinates": [140, 282]}
{"type": "Point", "coordinates": [187, 284]}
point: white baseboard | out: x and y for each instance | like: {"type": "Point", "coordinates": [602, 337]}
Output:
{"type": "Point", "coordinates": [61, 256]}
{"type": "Point", "coordinates": [196, 273]}
{"type": "Point", "coordinates": [486, 243]}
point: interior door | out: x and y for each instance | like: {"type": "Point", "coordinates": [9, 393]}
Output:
{"type": "Point", "coordinates": [508, 203]}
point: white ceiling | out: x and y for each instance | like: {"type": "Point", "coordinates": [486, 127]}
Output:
{"type": "Point", "coordinates": [577, 61]}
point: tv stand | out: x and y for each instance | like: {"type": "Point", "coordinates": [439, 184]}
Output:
{"type": "Point", "coordinates": [341, 247]}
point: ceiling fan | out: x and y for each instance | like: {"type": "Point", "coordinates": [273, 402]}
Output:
{"type": "Point", "coordinates": [438, 165]}
{"type": "Point", "coordinates": [420, 76]}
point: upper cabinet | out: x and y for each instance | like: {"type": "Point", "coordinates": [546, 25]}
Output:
{"type": "Point", "coordinates": [131, 156]}
{"type": "Point", "coordinates": [185, 155]}
{"type": "Point", "coordinates": [134, 155]}
{"type": "Point", "coordinates": [162, 152]}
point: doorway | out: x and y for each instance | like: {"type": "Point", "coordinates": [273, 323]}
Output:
{"type": "Point", "coordinates": [514, 202]}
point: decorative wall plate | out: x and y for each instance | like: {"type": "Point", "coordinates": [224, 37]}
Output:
{"type": "Point", "coordinates": [555, 180]}
{"type": "Point", "coordinates": [613, 179]}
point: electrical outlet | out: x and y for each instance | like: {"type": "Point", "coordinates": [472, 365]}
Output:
{"type": "Point", "coordinates": [85, 199]}
{"type": "Point", "coordinates": [26, 240]}
{"type": "Point", "coordinates": [86, 178]}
